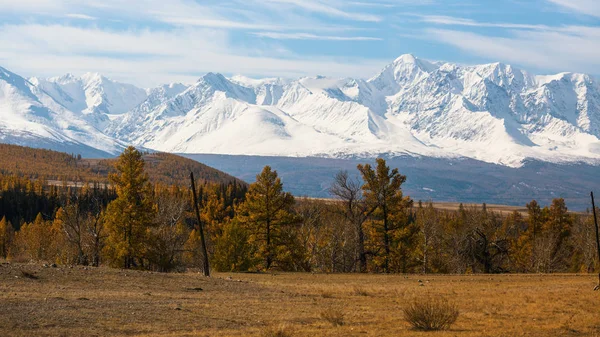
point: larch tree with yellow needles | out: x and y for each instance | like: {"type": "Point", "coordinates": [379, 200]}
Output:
{"type": "Point", "coordinates": [130, 216]}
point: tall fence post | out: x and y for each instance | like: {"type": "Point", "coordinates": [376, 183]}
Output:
{"type": "Point", "coordinates": [597, 236]}
{"type": "Point", "coordinates": [205, 266]}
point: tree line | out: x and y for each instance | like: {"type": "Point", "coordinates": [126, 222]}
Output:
{"type": "Point", "coordinates": [368, 226]}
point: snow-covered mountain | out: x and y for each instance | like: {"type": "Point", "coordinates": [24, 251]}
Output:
{"type": "Point", "coordinates": [494, 113]}
{"type": "Point", "coordinates": [30, 116]}
{"type": "Point", "coordinates": [97, 98]}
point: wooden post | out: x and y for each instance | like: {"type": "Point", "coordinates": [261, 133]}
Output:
{"type": "Point", "coordinates": [206, 267]}
{"type": "Point", "coordinates": [597, 236]}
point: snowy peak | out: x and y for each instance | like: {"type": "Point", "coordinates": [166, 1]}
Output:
{"type": "Point", "coordinates": [218, 83]}
{"type": "Point", "coordinates": [92, 93]}
{"type": "Point", "coordinates": [405, 70]}
{"type": "Point", "coordinates": [30, 116]}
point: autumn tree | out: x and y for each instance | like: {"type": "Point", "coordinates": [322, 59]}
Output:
{"type": "Point", "coordinates": [233, 253]}
{"type": "Point", "coordinates": [516, 231]}
{"type": "Point", "coordinates": [428, 222]}
{"type": "Point", "coordinates": [129, 217]}
{"type": "Point", "coordinates": [382, 189]}
{"type": "Point", "coordinates": [7, 234]}
{"type": "Point", "coordinates": [35, 240]}
{"type": "Point", "coordinates": [553, 250]}
{"type": "Point", "coordinates": [266, 213]}
{"type": "Point", "coordinates": [585, 255]}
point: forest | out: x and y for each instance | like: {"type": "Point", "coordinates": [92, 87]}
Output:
{"type": "Point", "coordinates": [368, 225]}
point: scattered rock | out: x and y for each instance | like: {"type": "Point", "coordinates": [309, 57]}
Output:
{"type": "Point", "coordinates": [83, 299]}
{"type": "Point", "coordinates": [54, 265]}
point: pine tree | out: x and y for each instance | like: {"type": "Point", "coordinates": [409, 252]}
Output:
{"type": "Point", "coordinates": [266, 213]}
{"type": "Point", "coordinates": [129, 217]}
{"type": "Point", "coordinates": [383, 193]}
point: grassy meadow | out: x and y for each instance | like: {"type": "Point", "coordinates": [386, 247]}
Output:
{"type": "Point", "coordinates": [85, 301]}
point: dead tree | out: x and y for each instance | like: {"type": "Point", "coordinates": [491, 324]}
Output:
{"type": "Point", "coordinates": [489, 253]}
{"type": "Point", "coordinates": [355, 210]}
{"type": "Point", "coordinates": [597, 237]}
{"type": "Point", "coordinates": [205, 265]}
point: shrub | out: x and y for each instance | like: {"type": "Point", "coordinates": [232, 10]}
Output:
{"type": "Point", "coordinates": [333, 316]}
{"type": "Point", "coordinates": [327, 294]}
{"type": "Point", "coordinates": [431, 314]}
{"type": "Point", "coordinates": [279, 331]}
{"type": "Point", "coordinates": [360, 292]}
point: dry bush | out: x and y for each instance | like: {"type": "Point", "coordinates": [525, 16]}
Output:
{"type": "Point", "coordinates": [327, 294]}
{"type": "Point", "coordinates": [431, 314]}
{"type": "Point", "coordinates": [282, 330]}
{"type": "Point", "coordinates": [333, 316]}
{"type": "Point", "coordinates": [360, 292]}
{"type": "Point", "coordinates": [29, 275]}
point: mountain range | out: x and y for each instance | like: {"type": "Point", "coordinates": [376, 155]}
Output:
{"type": "Point", "coordinates": [493, 113]}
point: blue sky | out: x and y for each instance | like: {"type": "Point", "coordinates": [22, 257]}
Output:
{"type": "Point", "coordinates": [148, 42]}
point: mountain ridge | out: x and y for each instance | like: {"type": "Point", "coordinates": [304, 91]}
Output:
{"type": "Point", "coordinates": [493, 112]}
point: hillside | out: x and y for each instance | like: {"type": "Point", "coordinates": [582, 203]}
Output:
{"type": "Point", "coordinates": [52, 165]}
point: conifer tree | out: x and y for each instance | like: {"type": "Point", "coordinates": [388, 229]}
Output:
{"type": "Point", "coordinates": [266, 213]}
{"type": "Point", "coordinates": [383, 193]}
{"type": "Point", "coordinates": [129, 217]}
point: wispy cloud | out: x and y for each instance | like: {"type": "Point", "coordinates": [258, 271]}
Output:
{"type": "Point", "coordinates": [306, 36]}
{"type": "Point", "coordinates": [151, 41]}
{"type": "Point", "coordinates": [154, 57]}
{"type": "Point", "coordinates": [323, 7]}
{"type": "Point", "coordinates": [575, 48]}
{"type": "Point", "coordinates": [454, 21]}
{"type": "Point", "coordinates": [587, 7]}
{"type": "Point", "coordinates": [80, 16]}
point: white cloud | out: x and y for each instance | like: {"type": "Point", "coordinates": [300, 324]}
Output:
{"type": "Point", "coordinates": [80, 16]}
{"type": "Point", "coordinates": [454, 21]}
{"type": "Point", "coordinates": [574, 48]}
{"type": "Point", "coordinates": [149, 58]}
{"type": "Point", "coordinates": [587, 7]}
{"type": "Point", "coordinates": [306, 36]}
{"type": "Point", "coordinates": [325, 7]}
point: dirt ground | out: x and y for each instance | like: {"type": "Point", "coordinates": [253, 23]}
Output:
{"type": "Point", "coordinates": [85, 301]}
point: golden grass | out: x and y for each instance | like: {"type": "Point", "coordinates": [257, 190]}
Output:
{"type": "Point", "coordinates": [107, 302]}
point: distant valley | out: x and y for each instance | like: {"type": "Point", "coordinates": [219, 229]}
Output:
{"type": "Point", "coordinates": [463, 180]}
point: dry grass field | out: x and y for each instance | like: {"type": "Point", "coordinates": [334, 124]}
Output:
{"type": "Point", "coordinates": [82, 301]}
